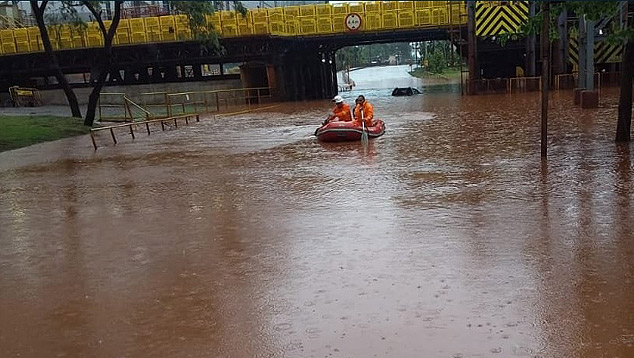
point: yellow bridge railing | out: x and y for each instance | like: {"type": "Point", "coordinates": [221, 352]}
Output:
{"type": "Point", "coordinates": [304, 20]}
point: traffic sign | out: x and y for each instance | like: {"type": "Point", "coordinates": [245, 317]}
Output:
{"type": "Point", "coordinates": [353, 22]}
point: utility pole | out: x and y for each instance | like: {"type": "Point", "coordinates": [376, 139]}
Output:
{"type": "Point", "coordinates": [590, 96]}
{"type": "Point", "coordinates": [530, 46]}
{"type": "Point", "coordinates": [586, 95]}
{"type": "Point", "coordinates": [582, 52]}
{"type": "Point", "coordinates": [545, 76]}
{"type": "Point", "coordinates": [472, 47]}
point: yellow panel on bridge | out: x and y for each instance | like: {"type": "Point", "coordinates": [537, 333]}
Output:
{"type": "Point", "coordinates": [305, 20]}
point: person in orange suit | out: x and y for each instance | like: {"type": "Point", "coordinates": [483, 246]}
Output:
{"type": "Point", "coordinates": [341, 112]}
{"type": "Point", "coordinates": [363, 111]}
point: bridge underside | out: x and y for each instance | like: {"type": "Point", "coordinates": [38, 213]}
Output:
{"type": "Point", "coordinates": [299, 68]}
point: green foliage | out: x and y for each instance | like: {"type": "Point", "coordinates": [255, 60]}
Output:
{"type": "Point", "coordinates": [65, 14]}
{"type": "Point", "coordinates": [348, 57]}
{"type": "Point", "coordinates": [437, 62]}
{"type": "Point", "coordinates": [354, 56]}
{"type": "Point", "coordinates": [593, 10]}
{"type": "Point", "coordinates": [237, 5]}
{"type": "Point", "coordinates": [197, 12]}
{"type": "Point", "coordinates": [450, 74]}
{"type": "Point", "coordinates": [436, 55]}
{"type": "Point", "coordinates": [620, 35]}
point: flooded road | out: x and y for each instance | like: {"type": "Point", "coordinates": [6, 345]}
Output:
{"type": "Point", "coordinates": [384, 79]}
{"type": "Point", "coordinates": [245, 237]}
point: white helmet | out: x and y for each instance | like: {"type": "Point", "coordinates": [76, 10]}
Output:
{"type": "Point", "coordinates": [338, 99]}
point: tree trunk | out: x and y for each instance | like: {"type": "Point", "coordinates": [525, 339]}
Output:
{"type": "Point", "coordinates": [38, 12]}
{"type": "Point", "coordinates": [93, 99]}
{"type": "Point", "coordinates": [625, 99]}
{"type": "Point", "coordinates": [545, 75]}
{"type": "Point", "coordinates": [106, 63]}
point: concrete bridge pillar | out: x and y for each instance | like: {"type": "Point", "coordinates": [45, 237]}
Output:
{"type": "Point", "coordinates": [306, 73]}
{"type": "Point", "coordinates": [474, 71]}
{"type": "Point", "coordinates": [585, 94]}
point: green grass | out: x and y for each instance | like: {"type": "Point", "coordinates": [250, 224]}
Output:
{"type": "Point", "coordinates": [22, 131]}
{"type": "Point", "coordinates": [448, 73]}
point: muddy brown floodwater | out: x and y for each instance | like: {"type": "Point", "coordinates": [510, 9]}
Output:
{"type": "Point", "coordinates": [245, 237]}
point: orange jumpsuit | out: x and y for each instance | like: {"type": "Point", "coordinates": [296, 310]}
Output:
{"type": "Point", "coordinates": [368, 113]}
{"type": "Point", "coordinates": [343, 113]}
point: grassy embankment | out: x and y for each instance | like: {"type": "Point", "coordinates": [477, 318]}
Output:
{"type": "Point", "coordinates": [449, 74]}
{"type": "Point", "coordinates": [22, 131]}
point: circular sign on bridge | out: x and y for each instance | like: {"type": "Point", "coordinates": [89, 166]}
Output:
{"type": "Point", "coordinates": [353, 22]}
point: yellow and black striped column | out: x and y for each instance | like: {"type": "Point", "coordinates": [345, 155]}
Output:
{"type": "Point", "coordinates": [604, 52]}
{"type": "Point", "coordinates": [498, 17]}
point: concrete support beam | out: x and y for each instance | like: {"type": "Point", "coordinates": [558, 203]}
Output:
{"type": "Point", "coordinates": [585, 95]}
{"type": "Point", "coordinates": [474, 72]}
{"type": "Point", "coordinates": [589, 70]}
{"type": "Point", "coordinates": [589, 99]}
{"type": "Point", "coordinates": [582, 52]}
{"type": "Point", "coordinates": [577, 95]}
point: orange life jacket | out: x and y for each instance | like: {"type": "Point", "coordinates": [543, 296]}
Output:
{"type": "Point", "coordinates": [368, 113]}
{"type": "Point", "coordinates": [343, 113]}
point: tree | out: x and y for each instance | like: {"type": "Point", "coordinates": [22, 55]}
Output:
{"type": "Point", "coordinates": [38, 13]}
{"type": "Point", "coordinates": [202, 31]}
{"type": "Point", "coordinates": [351, 56]}
{"type": "Point", "coordinates": [436, 55]}
{"type": "Point", "coordinates": [364, 54]}
{"type": "Point", "coordinates": [103, 66]}
{"type": "Point", "coordinates": [437, 62]}
{"type": "Point", "coordinates": [69, 14]}
{"type": "Point", "coordinates": [196, 12]}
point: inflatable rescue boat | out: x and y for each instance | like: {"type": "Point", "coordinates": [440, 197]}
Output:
{"type": "Point", "coordinates": [348, 131]}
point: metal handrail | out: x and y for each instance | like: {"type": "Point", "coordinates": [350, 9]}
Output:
{"type": "Point", "coordinates": [147, 123]}
{"type": "Point", "coordinates": [127, 111]}
{"type": "Point", "coordinates": [147, 113]}
{"type": "Point", "coordinates": [199, 99]}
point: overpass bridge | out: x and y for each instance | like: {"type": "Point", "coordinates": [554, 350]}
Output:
{"type": "Point", "coordinates": [290, 48]}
